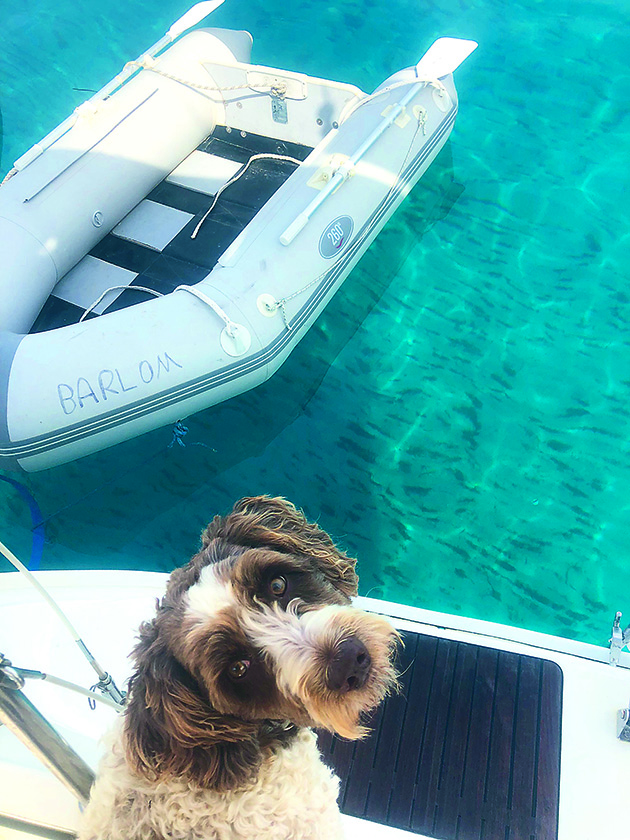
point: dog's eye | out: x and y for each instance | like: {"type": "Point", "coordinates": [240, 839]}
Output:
{"type": "Point", "coordinates": [237, 670]}
{"type": "Point", "coordinates": [278, 586]}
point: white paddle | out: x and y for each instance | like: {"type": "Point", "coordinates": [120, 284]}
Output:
{"type": "Point", "coordinates": [443, 57]}
{"type": "Point", "coordinates": [190, 18]}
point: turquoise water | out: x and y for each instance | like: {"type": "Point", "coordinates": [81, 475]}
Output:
{"type": "Point", "coordinates": [459, 417]}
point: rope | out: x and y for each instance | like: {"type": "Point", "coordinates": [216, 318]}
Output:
{"type": "Point", "coordinates": [147, 65]}
{"type": "Point", "coordinates": [179, 433]}
{"type": "Point", "coordinates": [284, 300]}
{"type": "Point", "coordinates": [9, 175]}
{"type": "Point", "coordinates": [230, 326]}
{"type": "Point", "coordinates": [235, 178]}
{"type": "Point", "coordinates": [113, 288]}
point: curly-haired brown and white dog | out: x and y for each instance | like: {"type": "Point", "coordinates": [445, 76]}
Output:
{"type": "Point", "coordinates": [254, 642]}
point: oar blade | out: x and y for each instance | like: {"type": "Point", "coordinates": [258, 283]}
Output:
{"type": "Point", "coordinates": [443, 57]}
{"type": "Point", "coordinates": [193, 16]}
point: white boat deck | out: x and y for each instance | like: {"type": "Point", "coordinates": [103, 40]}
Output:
{"type": "Point", "coordinates": [107, 607]}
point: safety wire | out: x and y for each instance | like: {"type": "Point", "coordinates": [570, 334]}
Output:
{"type": "Point", "coordinates": [105, 683]}
{"type": "Point", "coordinates": [235, 178]}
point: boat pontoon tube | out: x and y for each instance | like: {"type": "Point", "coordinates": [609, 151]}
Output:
{"type": "Point", "coordinates": [69, 198]}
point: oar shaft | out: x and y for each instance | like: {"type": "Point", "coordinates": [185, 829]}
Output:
{"type": "Point", "coordinates": [343, 172]}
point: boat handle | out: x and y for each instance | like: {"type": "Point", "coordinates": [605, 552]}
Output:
{"type": "Point", "coordinates": [235, 338]}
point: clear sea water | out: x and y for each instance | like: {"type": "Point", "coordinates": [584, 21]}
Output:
{"type": "Point", "coordinates": [459, 416]}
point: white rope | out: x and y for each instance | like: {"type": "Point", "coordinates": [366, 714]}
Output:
{"type": "Point", "coordinates": [147, 65]}
{"type": "Point", "coordinates": [47, 597]}
{"type": "Point", "coordinates": [235, 178]}
{"type": "Point", "coordinates": [9, 175]}
{"type": "Point", "coordinates": [284, 300]}
{"type": "Point", "coordinates": [112, 289]}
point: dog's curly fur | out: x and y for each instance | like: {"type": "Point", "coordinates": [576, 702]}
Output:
{"type": "Point", "coordinates": [253, 643]}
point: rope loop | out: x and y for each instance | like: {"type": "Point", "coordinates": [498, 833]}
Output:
{"type": "Point", "coordinates": [179, 433]}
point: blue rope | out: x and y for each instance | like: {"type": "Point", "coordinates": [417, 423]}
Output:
{"type": "Point", "coordinates": [179, 433]}
{"type": "Point", "coordinates": [37, 546]}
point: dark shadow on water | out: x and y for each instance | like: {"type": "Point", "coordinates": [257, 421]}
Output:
{"type": "Point", "coordinates": [134, 482]}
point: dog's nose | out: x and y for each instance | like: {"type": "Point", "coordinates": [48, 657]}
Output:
{"type": "Point", "coordinates": [349, 668]}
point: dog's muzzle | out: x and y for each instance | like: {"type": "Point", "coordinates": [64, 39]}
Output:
{"type": "Point", "coordinates": [349, 667]}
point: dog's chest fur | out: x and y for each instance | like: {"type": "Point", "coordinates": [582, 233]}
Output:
{"type": "Point", "coordinates": [293, 798]}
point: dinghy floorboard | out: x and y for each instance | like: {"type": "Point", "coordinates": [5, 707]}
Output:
{"type": "Point", "coordinates": [183, 259]}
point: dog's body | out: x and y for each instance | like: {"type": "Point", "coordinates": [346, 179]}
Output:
{"type": "Point", "coordinates": [253, 643]}
{"type": "Point", "coordinates": [294, 797]}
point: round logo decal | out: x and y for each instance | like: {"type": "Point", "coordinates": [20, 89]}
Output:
{"type": "Point", "coordinates": [334, 238]}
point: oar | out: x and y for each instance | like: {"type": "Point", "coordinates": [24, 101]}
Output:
{"type": "Point", "coordinates": [192, 17]}
{"type": "Point", "coordinates": [443, 57]}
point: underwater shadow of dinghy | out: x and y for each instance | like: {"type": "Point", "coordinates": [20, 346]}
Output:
{"type": "Point", "coordinates": [243, 427]}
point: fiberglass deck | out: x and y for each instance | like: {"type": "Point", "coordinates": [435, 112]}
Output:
{"type": "Point", "coordinates": [469, 750]}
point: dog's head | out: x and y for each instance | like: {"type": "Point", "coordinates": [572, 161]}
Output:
{"type": "Point", "coordinates": [254, 636]}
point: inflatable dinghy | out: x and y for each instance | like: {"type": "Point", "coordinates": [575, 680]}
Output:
{"type": "Point", "coordinates": [167, 246]}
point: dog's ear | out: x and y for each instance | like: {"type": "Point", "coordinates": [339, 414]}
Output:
{"type": "Point", "coordinates": [171, 730]}
{"type": "Point", "coordinates": [266, 522]}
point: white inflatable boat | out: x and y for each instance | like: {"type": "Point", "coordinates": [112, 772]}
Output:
{"type": "Point", "coordinates": [167, 246]}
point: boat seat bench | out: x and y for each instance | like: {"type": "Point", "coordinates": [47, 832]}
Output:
{"type": "Point", "coordinates": [152, 247]}
{"type": "Point", "coordinates": [468, 750]}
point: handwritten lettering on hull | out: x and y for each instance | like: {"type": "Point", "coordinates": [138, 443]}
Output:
{"type": "Point", "coordinates": [108, 384]}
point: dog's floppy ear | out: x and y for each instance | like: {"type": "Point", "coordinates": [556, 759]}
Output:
{"type": "Point", "coordinates": [273, 522]}
{"type": "Point", "coordinates": [171, 730]}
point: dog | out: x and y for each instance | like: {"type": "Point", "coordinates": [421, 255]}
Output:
{"type": "Point", "coordinates": [254, 643]}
